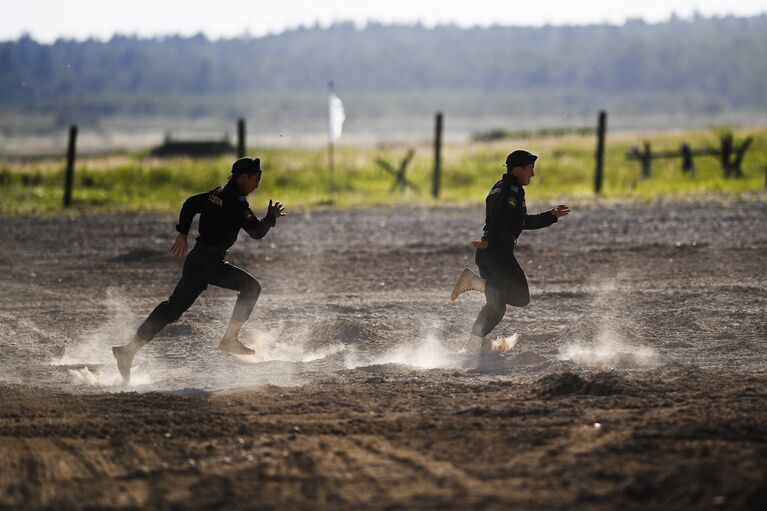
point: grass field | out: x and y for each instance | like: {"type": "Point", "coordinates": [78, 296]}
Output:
{"type": "Point", "coordinates": [300, 177]}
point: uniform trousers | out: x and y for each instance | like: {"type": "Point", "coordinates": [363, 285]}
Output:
{"type": "Point", "coordinates": [505, 284]}
{"type": "Point", "coordinates": [203, 266]}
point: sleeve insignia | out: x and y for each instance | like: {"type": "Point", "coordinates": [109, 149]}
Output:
{"type": "Point", "coordinates": [512, 202]}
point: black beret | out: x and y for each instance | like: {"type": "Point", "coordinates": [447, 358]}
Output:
{"type": "Point", "coordinates": [520, 158]}
{"type": "Point", "coordinates": [246, 166]}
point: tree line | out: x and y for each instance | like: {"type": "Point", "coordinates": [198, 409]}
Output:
{"type": "Point", "coordinates": [716, 61]}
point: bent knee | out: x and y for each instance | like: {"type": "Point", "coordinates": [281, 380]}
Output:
{"type": "Point", "coordinates": [252, 289]}
{"type": "Point", "coordinates": [519, 301]}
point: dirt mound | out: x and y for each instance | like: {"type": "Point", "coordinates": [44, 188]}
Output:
{"type": "Point", "coordinates": [193, 393]}
{"type": "Point", "coordinates": [326, 364]}
{"type": "Point", "coordinates": [569, 383]}
{"type": "Point", "coordinates": [527, 358]}
{"type": "Point", "coordinates": [389, 368]}
{"type": "Point", "coordinates": [680, 371]}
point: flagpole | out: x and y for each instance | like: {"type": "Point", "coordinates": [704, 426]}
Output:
{"type": "Point", "coordinates": [331, 166]}
{"type": "Point", "coordinates": [336, 119]}
{"type": "Point", "coordinates": [331, 163]}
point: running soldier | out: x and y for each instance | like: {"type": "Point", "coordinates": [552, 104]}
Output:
{"type": "Point", "coordinates": [223, 212]}
{"type": "Point", "coordinates": [501, 277]}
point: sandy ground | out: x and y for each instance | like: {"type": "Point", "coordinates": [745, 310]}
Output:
{"type": "Point", "coordinates": [639, 380]}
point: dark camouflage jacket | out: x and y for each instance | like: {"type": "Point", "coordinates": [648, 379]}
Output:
{"type": "Point", "coordinates": [223, 212]}
{"type": "Point", "coordinates": [506, 215]}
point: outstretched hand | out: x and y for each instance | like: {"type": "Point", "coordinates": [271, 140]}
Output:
{"type": "Point", "coordinates": [560, 211]}
{"type": "Point", "coordinates": [275, 210]}
{"type": "Point", "coordinates": [180, 246]}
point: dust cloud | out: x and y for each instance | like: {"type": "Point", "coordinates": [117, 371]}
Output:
{"type": "Point", "coordinates": [93, 348]}
{"type": "Point", "coordinates": [608, 349]}
{"type": "Point", "coordinates": [608, 339]}
{"type": "Point", "coordinates": [280, 344]}
{"type": "Point", "coordinates": [107, 377]}
{"type": "Point", "coordinates": [89, 360]}
{"type": "Point", "coordinates": [426, 353]}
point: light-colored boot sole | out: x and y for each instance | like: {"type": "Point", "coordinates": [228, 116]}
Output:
{"type": "Point", "coordinates": [467, 281]}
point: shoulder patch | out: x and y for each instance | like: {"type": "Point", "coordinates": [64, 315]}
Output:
{"type": "Point", "coordinates": [512, 201]}
{"type": "Point", "coordinates": [494, 191]}
{"type": "Point", "coordinates": [218, 201]}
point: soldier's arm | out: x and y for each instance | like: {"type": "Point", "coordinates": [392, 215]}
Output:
{"type": "Point", "coordinates": [192, 206]}
{"type": "Point", "coordinates": [256, 228]}
{"type": "Point", "coordinates": [540, 220]}
{"type": "Point", "coordinates": [546, 218]}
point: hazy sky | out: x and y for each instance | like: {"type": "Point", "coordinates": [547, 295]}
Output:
{"type": "Point", "coordinates": [48, 19]}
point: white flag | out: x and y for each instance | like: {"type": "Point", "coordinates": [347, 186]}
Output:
{"type": "Point", "coordinates": [336, 117]}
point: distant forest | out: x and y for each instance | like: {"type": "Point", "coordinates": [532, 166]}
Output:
{"type": "Point", "coordinates": [696, 65]}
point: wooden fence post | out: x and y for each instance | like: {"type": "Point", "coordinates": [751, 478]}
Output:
{"type": "Point", "coordinates": [725, 150]}
{"type": "Point", "coordinates": [437, 155]}
{"type": "Point", "coordinates": [646, 159]}
{"type": "Point", "coordinates": [601, 128]}
{"type": "Point", "coordinates": [688, 165]}
{"type": "Point", "coordinates": [240, 138]}
{"type": "Point", "coordinates": [69, 176]}
{"type": "Point", "coordinates": [740, 152]}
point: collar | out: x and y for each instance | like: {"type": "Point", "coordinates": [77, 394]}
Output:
{"type": "Point", "coordinates": [512, 182]}
{"type": "Point", "coordinates": [231, 187]}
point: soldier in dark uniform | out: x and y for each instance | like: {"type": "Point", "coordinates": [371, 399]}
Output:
{"type": "Point", "coordinates": [223, 212]}
{"type": "Point", "coordinates": [501, 277]}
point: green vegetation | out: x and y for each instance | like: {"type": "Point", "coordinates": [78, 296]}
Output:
{"type": "Point", "coordinates": [300, 177]}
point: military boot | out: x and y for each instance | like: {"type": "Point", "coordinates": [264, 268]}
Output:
{"type": "Point", "coordinates": [486, 348]}
{"type": "Point", "coordinates": [473, 345]}
{"type": "Point", "coordinates": [124, 356]}
{"type": "Point", "coordinates": [467, 281]}
{"type": "Point", "coordinates": [230, 343]}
